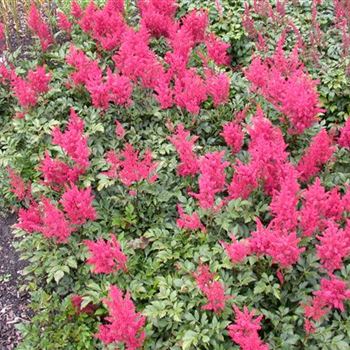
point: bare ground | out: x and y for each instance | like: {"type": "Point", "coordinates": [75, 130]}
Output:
{"type": "Point", "coordinates": [13, 304]}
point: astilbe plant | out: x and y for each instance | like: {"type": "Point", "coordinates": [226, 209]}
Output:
{"type": "Point", "coordinates": [39, 27]}
{"type": "Point", "coordinates": [301, 219]}
{"type": "Point", "coordinates": [268, 159]}
{"type": "Point", "coordinates": [73, 141]}
{"type": "Point", "coordinates": [316, 155]}
{"type": "Point", "coordinates": [19, 188]}
{"type": "Point", "coordinates": [124, 323]}
{"type": "Point", "coordinates": [212, 178]}
{"type": "Point", "coordinates": [189, 222]}
{"type": "Point", "coordinates": [129, 167]}
{"type": "Point", "coordinates": [282, 80]}
{"type": "Point", "coordinates": [27, 91]}
{"type": "Point", "coordinates": [106, 256]}
{"type": "Point", "coordinates": [184, 145]}
{"type": "Point", "coordinates": [212, 289]}
{"type": "Point", "coordinates": [332, 295]}
{"type": "Point", "coordinates": [77, 203]}
{"type": "Point", "coordinates": [136, 62]}
{"type": "Point", "coordinates": [233, 136]}
{"type": "Point", "coordinates": [344, 139]}
{"type": "Point", "coordinates": [244, 331]}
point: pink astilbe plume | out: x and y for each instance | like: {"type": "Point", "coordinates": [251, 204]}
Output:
{"type": "Point", "coordinates": [244, 181]}
{"type": "Point", "coordinates": [39, 27]}
{"type": "Point", "coordinates": [212, 179]}
{"type": "Point", "coordinates": [24, 92]}
{"type": "Point", "coordinates": [105, 25]}
{"type": "Point", "coordinates": [63, 23]}
{"type": "Point", "coordinates": [267, 151]}
{"type": "Point", "coordinates": [344, 139]}
{"type": "Point", "coordinates": [29, 219]}
{"type": "Point", "coordinates": [283, 82]}
{"type": "Point", "coordinates": [76, 10]}
{"type": "Point", "coordinates": [27, 90]}
{"type": "Point", "coordinates": [181, 42]}
{"type": "Point", "coordinates": [184, 145]}
{"type": "Point", "coordinates": [164, 94]}
{"type": "Point", "coordinates": [86, 21]}
{"type": "Point", "coordinates": [157, 16]}
{"type": "Point", "coordinates": [217, 50]}
{"type": "Point", "coordinates": [333, 248]}
{"type": "Point", "coordinates": [218, 87]}
{"type": "Point", "coordinates": [54, 223]}
{"type": "Point", "coordinates": [39, 80]}
{"type": "Point", "coordinates": [77, 205]}
{"type": "Point", "coordinates": [190, 91]}
{"type": "Point", "coordinates": [18, 187]}
{"type": "Point", "coordinates": [316, 155]}
{"type": "Point", "coordinates": [189, 222]}
{"type": "Point", "coordinates": [213, 290]}
{"type": "Point", "coordinates": [244, 331]}
{"type": "Point", "coordinates": [87, 70]}
{"type": "Point", "coordinates": [319, 206]}
{"type": "Point", "coordinates": [284, 202]}
{"type": "Point", "coordinates": [73, 140]}
{"type": "Point", "coordinates": [237, 251]}
{"type": "Point", "coordinates": [137, 61]}
{"type": "Point", "coordinates": [56, 172]}
{"type": "Point", "coordinates": [119, 130]}
{"type": "Point", "coordinates": [332, 295]}
{"type": "Point", "coordinates": [129, 167]}
{"type": "Point", "coordinates": [119, 89]}
{"type": "Point", "coordinates": [124, 323]}
{"type": "Point", "coordinates": [233, 136]}
{"type": "Point", "coordinates": [281, 246]}
{"type": "Point", "coordinates": [196, 23]}
{"type": "Point", "coordinates": [106, 256]}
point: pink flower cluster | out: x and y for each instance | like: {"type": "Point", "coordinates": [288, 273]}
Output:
{"type": "Point", "coordinates": [268, 159]}
{"type": "Point", "coordinates": [244, 331]}
{"type": "Point", "coordinates": [316, 155]}
{"type": "Point", "coordinates": [18, 187]}
{"type": "Point", "coordinates": [189, 222]}
{"type": "Point", "coordinates": [28, 90]}
{"type": "Point", "coordinates": [103, 89]}
{"type": "Point", "coordinates": [39, 27]}
{"type": "Point", "coordinates": [283, 82]}
{"type": "Point", "coordinates": [170, 77]}
{"type": "Point", "coordinates": [45, 216]}
{"type": "Point", "coordinates": [332, 295]}
{"type": "Point", "coordinates": [212, 178]}
{"type": "Point", "coordinates": [344, 139]}
{"type": "Point", "coordinates": [334, 247]}
{"type": "Point", "coordinates": [233, 136]}
{"type": "Point", "coordinates": [63, 23]}
{"type": "Point", "coordinates": [184, 145]}
{"type": "Point", "coordinates": [212, 289]}
{"type": "Point", "coordinates": [124, 323]}
{"type": "Point", "coordinates": [106, 256]}
{"type": "Point", "coordinates": [129, 167]}
{"type": "Point", "coordinates": [74, 143]}
{"type": "Point", "coordinates": [319, 206]}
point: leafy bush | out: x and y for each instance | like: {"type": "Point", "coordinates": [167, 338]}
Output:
{"type": "Point", "coordinates": [167, 201]}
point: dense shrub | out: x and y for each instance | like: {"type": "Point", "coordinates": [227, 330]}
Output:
{"type": "Point", "coordinates": [168, 201]}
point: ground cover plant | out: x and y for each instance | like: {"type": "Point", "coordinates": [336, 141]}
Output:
{"type": "Point", "coordinates": [181, 174]}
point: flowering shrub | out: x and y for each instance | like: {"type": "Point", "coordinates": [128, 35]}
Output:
{"type": "Point", "coordinates": [166, 200]}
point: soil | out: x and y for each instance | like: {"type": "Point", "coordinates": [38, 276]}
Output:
{"type": "Point", "coordinates": [13, 304]}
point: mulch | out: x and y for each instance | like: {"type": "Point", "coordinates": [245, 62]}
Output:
{"type": "Point", "coordinates": [13, 304]}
